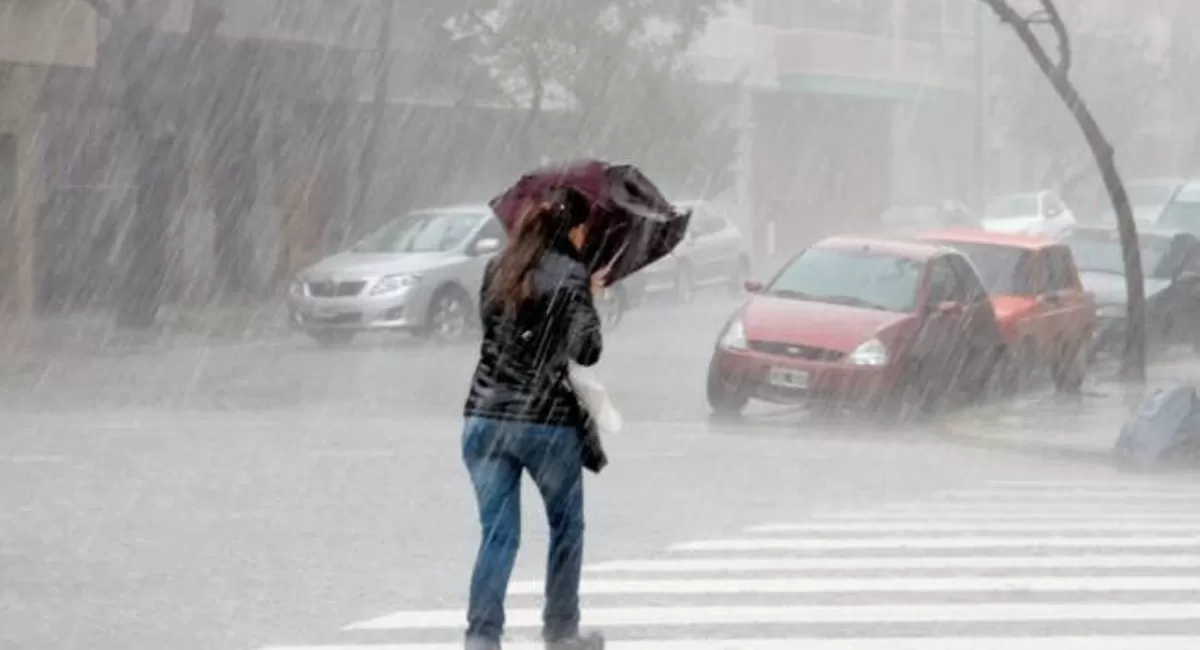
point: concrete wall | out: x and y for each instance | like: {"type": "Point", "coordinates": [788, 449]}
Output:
{"type": "Point", "coordinates": [823, 166]}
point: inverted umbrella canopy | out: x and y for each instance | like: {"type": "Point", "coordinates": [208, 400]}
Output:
{"type": "Point", "coordinates": [630, 223]}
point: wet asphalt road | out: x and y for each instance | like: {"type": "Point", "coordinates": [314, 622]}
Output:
{"type": "Point", "coordinates": [234, 531]}
{"type": "Point", "coordinates": [243, 496]}
{"type": "Point", "coordinates": [656, 358]}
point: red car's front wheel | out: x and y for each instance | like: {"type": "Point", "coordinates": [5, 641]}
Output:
{"type": "Point", "coordinates": [726, 396]}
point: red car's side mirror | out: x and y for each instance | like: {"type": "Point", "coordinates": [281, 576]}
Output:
{"type": "Point", "coordinates": [950, 308]}
{"type": "Point", "coordinates": [753, 286]}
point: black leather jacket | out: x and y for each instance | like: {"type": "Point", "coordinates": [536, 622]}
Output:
{"type": "Point", "coordinates": [522, 368]}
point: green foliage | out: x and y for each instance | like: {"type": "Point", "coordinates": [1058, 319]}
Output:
{"type": "Point", "coordinates": [607, 78]}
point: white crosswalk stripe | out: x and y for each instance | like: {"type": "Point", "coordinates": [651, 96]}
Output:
{"type": "Point", "coordinates": [976, 527]}
{"type": "Point", "coordinates": [898, 643]}
{"type": "Point", "coordinates": [1037, 565]}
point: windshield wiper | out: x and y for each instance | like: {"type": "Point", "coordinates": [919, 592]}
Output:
{"type": "Point", "coordinates": [853, 302]}
{"type": "Point", "coordinates": [791, 293]}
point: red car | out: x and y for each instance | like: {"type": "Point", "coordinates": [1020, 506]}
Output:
{"type": "Point", "coordinates": [1046, 318]}
{"type": "Point", "coordinates": [851, 321]}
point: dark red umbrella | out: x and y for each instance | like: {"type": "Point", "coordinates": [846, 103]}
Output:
{"type": "Point", "coordinates": [631, 223]}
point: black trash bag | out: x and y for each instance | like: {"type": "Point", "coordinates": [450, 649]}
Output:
{"type": "Point", "coordinates": [1165, 422]}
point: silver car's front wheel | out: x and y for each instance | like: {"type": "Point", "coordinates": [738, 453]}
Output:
{"type": "Point", "coordinates": [449, 316]}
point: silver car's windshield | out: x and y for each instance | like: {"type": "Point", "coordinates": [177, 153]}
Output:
{"type": "Point", "coordinates": [421, 232]}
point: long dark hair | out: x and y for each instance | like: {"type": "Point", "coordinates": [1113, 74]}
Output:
{"type": "Point", "coordinates": [543, 226]}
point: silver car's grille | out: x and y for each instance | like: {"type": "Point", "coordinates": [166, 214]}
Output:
{"type": "Point", "coordinates": [796, 351]}
{"type": "Point", "coordinates": [330, 289]}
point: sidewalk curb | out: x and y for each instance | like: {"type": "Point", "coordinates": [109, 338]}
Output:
{"type": "Point", "coordinates": [940, 432]}
{"type": "Point", "coordinates": [1035, 449]}
{"type": "Point", "coordinates": [118, 349]}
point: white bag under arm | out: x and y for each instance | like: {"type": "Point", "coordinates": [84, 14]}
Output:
{"type": "Point", "coordinates": [593, 397]}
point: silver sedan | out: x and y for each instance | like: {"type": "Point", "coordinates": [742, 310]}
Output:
{"type": "Point", "coordinates": [418, 273]}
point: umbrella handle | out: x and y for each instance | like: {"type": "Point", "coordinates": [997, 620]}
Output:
{"type": "Point", "coordinates": [616, 257]}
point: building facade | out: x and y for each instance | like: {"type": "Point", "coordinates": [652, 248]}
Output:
{"type": "Point", "coordinates": [842, 107]}
{"type": "Point", "coordinates": [36, 39]}
{"type": "Point", "coordinates": [847, 105]}
{"type": "Point", "coordinates": [66, 181]}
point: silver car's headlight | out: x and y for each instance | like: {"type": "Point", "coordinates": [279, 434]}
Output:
{"type": "Point", "coordinates": [870, 353]}
{"type": "Point", "coordinates": [397, 283]}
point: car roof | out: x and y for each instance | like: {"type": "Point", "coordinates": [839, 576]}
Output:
{"type": "Point", "coordinates": [899, 248]}
{"type": "Point", "coordinates": [1161, 180]}
{"type": "Point", "coordinates": [1013, 195]}
{"type": "Point", "coordinates": [1164, 233]}
{"type": "Point", "coordinates": [965, 236]}
{"type": "Point", "coordinates": [923, 202]}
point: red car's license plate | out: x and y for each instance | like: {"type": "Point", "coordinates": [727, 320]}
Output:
{"type": "Point", "coordinates": [788, 378]}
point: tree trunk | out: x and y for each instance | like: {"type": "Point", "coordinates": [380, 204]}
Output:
{"type": "Point", "coordinates": [232, 131]}
{"type": "Point", "coordinates": [158, 179]}
{"type": "Point", "coordinates": [143, 281]}
{"type": "Point", "coordinates": [236, 190]}
{"type": "Point", "coordinates": [526, 134]}
{"type": "Point", "coordinates": [368, 162]}
{"type": "Point", "coordinates": [1133, 357]}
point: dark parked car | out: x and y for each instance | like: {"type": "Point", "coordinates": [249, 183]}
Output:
{"type": "Point", "coordinates": [714, 253]}
{"type": "Point", "coordinates": [1172, 283]}
{"type": "Point", "coordinates": [1149, 198]}
{"type": "Point", "coordinates": [1183, 212]}
{"type": "Point", "coordinates": [874, 324]}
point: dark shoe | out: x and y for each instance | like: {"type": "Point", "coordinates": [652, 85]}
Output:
{"type": "Point", "coordinates": [593, 641]}
{"type": "Point", "coordinates": [480, 643]}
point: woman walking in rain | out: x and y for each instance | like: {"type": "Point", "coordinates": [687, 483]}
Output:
{"type": "Point", "coordinates": [538, 315]}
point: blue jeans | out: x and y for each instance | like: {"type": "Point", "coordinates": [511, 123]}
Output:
{"type": "Point", "coordinates": [495, 453]}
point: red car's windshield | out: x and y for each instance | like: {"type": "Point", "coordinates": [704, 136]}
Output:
{"type": "Point", "coordinates": [860, 278]}
{"type": "Point", "coordinates": [1002, 269]}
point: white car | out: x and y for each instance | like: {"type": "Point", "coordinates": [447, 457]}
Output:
{"type": "Point", "coordinates": [1033, 213]}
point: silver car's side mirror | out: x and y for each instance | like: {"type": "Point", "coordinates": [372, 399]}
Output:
{"type": "Point", "coordinates": [486, 246]}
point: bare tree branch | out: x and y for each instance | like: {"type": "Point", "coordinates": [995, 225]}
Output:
{"type": "Point", "coordinates": [368, 160]}
{"type": "Point", "coordinates": [1024, 30]}
{"type": "Point", "coordinates": [1054, 17]}
{"type": "Point", "coordinates": [1023, 25]}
